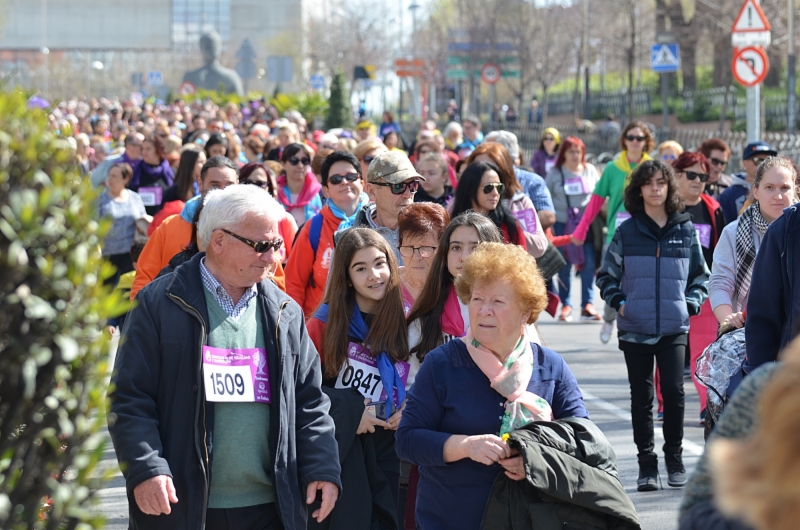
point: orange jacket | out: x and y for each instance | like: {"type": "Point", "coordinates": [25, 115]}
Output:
{"type": "Point", "coordinates": [306, 275]}
{"type": "Point", "coordinates": [170, 238]}
{"type": "Point", "coordinates": [287, 227]}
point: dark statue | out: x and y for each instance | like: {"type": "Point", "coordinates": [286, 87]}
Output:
{"type": "Point", "coordinates": [212, 75]}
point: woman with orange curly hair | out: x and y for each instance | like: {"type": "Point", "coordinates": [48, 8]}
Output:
{"type": "Point", "coordinates": [470, 392]}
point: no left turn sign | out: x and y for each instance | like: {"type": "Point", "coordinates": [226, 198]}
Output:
{"type": "Point", "coordinates": [750, 65]}
{"type": "Point", "coordinates": [490, 73]}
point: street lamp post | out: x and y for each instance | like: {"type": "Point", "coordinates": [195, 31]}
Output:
{"type": "Point", "coordinates": [417, 107]}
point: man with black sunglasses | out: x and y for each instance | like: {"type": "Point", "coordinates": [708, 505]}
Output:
{"type": "Point", "coordinates": [217, 414]}
{"type": "Point", "coordinates": [392, 182]}
{"type": "Point", "coordinates": [718, 153]}
{"type": "Point", "coordinates": [732, 200]}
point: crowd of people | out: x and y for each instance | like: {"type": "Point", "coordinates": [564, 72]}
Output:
{"type": "Point", "coordinates": [337, 329]}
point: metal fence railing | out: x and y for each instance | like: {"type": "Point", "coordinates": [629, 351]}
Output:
{"type": "Point", "coordinates": [599, 143]}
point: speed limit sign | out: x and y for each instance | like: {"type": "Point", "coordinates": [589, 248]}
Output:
{"type": "Point", "coordinates": [490, 73]}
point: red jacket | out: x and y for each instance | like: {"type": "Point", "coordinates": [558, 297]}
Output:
{"type": "Point", "coordinates": [307, 274]}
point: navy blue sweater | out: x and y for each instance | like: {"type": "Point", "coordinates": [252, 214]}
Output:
{"type": "Point", "coordinates": [452, 396]}
{"type": "Point", "coordinates": [773, 307]}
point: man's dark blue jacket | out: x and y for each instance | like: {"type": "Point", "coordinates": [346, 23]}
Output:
{"type": "Point", "coordinates": [161, 424]}
{"type": "Point", "coordinates": [773, 308]}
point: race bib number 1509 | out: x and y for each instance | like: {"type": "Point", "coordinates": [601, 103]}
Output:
{"type": "Point", "coordinates": [236, 375]}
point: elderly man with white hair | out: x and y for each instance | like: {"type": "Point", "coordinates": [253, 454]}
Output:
{"type": "Point", "coordinates": [217, 415]}
{"type": "Point", "coordinates": [533, 184]}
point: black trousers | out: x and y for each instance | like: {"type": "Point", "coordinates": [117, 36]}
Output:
{"type": "Point", "coordinates": [123, 263]}
{"type": "Point", "coordinates": [640, 377]}
{"type": "Point", "coordinates": [260, 517]}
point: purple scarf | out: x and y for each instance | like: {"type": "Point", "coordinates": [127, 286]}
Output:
{"type": "Point", "coordinates": [160, 172]}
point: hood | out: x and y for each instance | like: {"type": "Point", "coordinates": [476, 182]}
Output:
{"type": "Point", "coordinates": [740, 179]}
{"type": "Point", "coordinates": [190, 208]}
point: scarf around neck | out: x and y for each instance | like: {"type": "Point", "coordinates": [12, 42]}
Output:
{"type": "Point", "coordinates": [309, 192]}
{"type": "Point", "coordinates": [510, 379]}
{"type": "Point", "coordinates": [624, 165]}
{"type": "Point", "coordinates": [746, 249]}
{"type": "Point", "coordinates": [451, 320]}
{"type": "Point", "coordinates": [348, 220]}
{"type": "Point", "coordinates": [389, 376]}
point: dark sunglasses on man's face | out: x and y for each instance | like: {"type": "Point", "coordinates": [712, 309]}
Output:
{"type": "Point", "coordinates": [258, 246]}
{"type": "Point", "coordinates": [399, 189]}
{"type": "Point", "coordinates": [718, 162]}
{"type": "Point", "coordinates": [632, 138]}
{"type": "Point", "coordinates": [294, 161]}
{"type": "Point", "coordinates": [757, 160]}
{"type": "Point", "coordinates": [338, 179]}
{"type": "Point", "coordinates": [499, 186]}
{"type": "Point", "coordinates": [691, 175]}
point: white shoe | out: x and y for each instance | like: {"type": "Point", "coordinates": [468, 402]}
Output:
{"type": "Point", "coordinates": [607, 330]}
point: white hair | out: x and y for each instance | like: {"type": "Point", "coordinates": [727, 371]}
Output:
{"type": "Point", "coordinates": [506, 139]}
{"type": "Point", "coordinates": [228, 208]}
{"type": "Point", "coordinates": [450, 127]}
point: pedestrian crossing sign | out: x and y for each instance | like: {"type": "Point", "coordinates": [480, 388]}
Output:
{"type": "Point", "coordinates": [665, 58]}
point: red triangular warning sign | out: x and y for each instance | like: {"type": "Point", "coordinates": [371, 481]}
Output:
{"type": "Point", "coordinates": [751, 18]}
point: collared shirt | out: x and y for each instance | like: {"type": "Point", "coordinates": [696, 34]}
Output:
{"type": "Point", "coordinates": [221, 295]}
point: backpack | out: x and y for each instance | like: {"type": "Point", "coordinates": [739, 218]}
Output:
{"type": "Point", "coordinates": [314, 233]}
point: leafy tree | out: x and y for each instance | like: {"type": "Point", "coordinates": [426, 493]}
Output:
{"type": "Point", "coordinates": [339, 114]}
{"type": "Point", "coordinates": [310, 104]}
{"type": "Point", "coordinates": [53, 355]}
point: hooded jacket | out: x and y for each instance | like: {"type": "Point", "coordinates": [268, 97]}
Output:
{"type": "Point", "coordinates": [732, 199]}
{"type": "Point", "coordinates": [661, 278]}
{"type": "Point", "coordinates": [570, 481]}
{"type": "Point", "coordinates": [161, 424]}
{"type": "Point", "coordinates": [365, 219]}
{"type": "Point", "coordinates": [773, 307]}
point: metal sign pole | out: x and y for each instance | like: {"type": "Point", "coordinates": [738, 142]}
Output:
{"type": "Point", "coordinates": [665, 101]}
{"type": "Point", "coordinates": [791, 101]}
{"type": "Point", "coordinates": [753, 113]}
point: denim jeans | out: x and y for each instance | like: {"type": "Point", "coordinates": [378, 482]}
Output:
{"type": "Point", "coordinates": [587, 272]}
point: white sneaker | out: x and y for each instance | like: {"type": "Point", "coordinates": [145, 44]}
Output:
{"type": "Point", "coordinates": [607, 330]}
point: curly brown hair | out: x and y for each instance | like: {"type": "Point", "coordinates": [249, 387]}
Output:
{"type": "Point", "coordinates": [641, 176]}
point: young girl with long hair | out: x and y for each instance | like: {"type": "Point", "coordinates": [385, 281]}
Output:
{"type": "Point", "coordinates": [655, 276]}
{"type": "Point", "coordinates": [360, 333]}
{"type": "Point", "coordinates": [480, 190]}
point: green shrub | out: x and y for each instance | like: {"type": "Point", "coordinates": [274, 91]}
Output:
{"type": "Point", "coordinates": [53, 354]}
{"type": "Point", "coordinates": [339, 113]}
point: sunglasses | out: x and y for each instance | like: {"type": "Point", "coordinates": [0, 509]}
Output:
{"type": "Point", "coordinates": [294, 161]}
{"type": "Point", "coordinates": [549, 139]}
{"type": "Point", "coordinates": [691, 175]}
{"type": "Point", "coordinates": [258, 246]}
{"type": "Point", "coordinates": [399, 189]}
{"type": "Point", "coordinates": [424, 252]}
{"type": "Point", "coordinates": [718, 162]}
{"type": "Point", "coordinates": [666, 158]}
{"type": "Point", "coordinates": [338, 179]}
{"type": "Point", "coordinates": [632, 138]}
{"type": "Point", "coordinates": [499, 186]}
{"type": "Point", "coordinates": [758, 159]}
{"type": "Point", "coordinates": [368, 159]}
{"type": "Point", "coordinates": [261, 184]}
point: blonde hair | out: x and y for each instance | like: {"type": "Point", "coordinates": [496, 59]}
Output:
{"type": "Point", "coordinates": [670, 144]}
{"type": "Point", "coordinates": [758, 478]}
{"type": "Point", "coordinates": [368, 145]}
{"type": "Point", "coordinates": [499, 262]}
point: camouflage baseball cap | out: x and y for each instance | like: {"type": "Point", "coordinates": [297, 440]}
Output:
{"type": "Point", "coordinates": [393, 167]}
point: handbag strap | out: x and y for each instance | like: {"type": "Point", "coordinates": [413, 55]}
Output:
{"type": "Point", "coordinates": [563, 183]}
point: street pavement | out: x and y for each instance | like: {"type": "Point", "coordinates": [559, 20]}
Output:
{"type": "Point", "coordinates": [600, 370]}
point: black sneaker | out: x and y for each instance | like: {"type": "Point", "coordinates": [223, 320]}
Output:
{"type": "Point", "coordinates": [676, 473]}
{"type": "Point", "coordinates": [648, 475]}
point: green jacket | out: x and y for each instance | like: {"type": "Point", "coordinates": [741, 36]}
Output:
{"type": "Point", "coordinates": [571, 482]}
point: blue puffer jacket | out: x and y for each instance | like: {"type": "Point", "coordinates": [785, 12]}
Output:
{"type": "Point", "coordinates": [660, 274]}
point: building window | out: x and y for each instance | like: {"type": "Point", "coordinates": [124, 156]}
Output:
{"type": "Point", "coordinates": [191, 18]}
